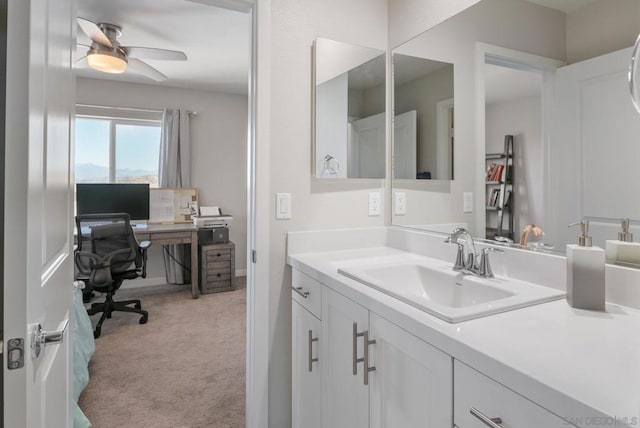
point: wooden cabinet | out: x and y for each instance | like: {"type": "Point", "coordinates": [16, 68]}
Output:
{"type": "Point", "coordinates": [411, 386]}
{"type": "Point", "coordinates": [306, 345]}
{"type": "Point", "coordinates": [490, 399]}
{"type": "Point", "coordinates": [217, 267]}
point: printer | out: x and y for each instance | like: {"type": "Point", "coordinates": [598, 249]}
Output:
{"type": "Point", "coordinates": [213, 226]}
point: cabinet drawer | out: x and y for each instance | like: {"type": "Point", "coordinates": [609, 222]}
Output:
{"type": "Point", "coordinates": [474, 390]}
{"type": "Point", "coordinates": [307, 291]}
{"type": "Point", "coordinates": [215, 267]}
{"type": "Point", "coordinates": [218, 255]}
{"type": "Point", "coordinates": [215, 286]}
{"type": "Point", "coordinates": [218, 276]}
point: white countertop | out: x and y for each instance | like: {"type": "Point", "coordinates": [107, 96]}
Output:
{"type": "Point", "coordinates": [574, 363]}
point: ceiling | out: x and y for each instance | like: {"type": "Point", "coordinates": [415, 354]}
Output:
{"type": "Point", "coordinates": [565, 6]}
{"type": "Point", "coordinates": [215, 40]}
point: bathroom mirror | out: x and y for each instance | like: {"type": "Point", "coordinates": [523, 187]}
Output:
{"type": "Point", "coordinates": [423, 122]}
{"type": "Point", "coordinates": [540, 87]}
{"type": "Point", "coordinates": [349, 129]}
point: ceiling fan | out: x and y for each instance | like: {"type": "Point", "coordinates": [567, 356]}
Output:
{"type": "Point", "coordinates": [106, 54]}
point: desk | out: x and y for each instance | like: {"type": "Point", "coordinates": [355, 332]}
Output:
{"type": "Point", "coordinates": [181, 233]}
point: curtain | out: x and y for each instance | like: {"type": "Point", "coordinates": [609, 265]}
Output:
{"type": "Point", "coordinates": [174, 171]}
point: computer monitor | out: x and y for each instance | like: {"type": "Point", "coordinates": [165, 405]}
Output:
{"type": "Point", "coordinates": [103, 198]}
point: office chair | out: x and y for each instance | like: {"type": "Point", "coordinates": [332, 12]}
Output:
{"type": "Point", "coordinates": [107, 254]}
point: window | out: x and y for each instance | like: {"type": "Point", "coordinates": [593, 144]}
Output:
{"type": "Point", "coordinates": [116, 150]}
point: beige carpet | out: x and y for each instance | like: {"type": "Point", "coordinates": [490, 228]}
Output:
{"type": "Point", "coordinates": [184, 368]}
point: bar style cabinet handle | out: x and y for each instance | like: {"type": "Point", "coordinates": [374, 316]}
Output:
{"type": "Point", "coordinates": [490, 422]}
{"type": "Point", "coordinates": [367, 369]}
{"type": "Point", "coordinates": [311, 359]}
{"type": "Point", "coordinates": [356, 360]}
{"type": "Point", "coordinates": [298, 290]}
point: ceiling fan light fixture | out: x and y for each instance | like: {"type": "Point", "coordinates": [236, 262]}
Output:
{"type": "Point", "coordinates": [106, 61]}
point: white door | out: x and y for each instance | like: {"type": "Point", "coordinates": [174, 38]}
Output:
{"type": "Point", "coordinates": [593, 119]}
{"type": "Point", "coordinates": [38, 255]}
{"type": "Point", "coordinates": [366, 151]}
{"type": "Point", "coordinates": [306, 401]}
{"type": "Point", "coordinates": [345, 398]}
{"type": "Point", "coordinates": [412, 384]}
{"type": "Point", "coordinates": [405, 149]}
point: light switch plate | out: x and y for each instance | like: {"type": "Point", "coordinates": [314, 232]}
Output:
{"type": "Point", "coordinates": [374, 204]}
{"type": "Point", "coordinates": [467, 202]}
{"type": "Point", "coordinates": [283, 206]}
{"type": "Point", "coordinates": [400, 205]}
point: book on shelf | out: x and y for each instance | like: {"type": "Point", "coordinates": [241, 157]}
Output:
{"type": "Point", "coordinates": [494, 172]}
{"type": "Point", "coordinates": [494, 197]}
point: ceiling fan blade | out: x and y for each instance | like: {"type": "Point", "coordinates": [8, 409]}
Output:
{"type": "Point", "coordinates": [81, 50]}
{"type": "Point", "coordinates": [140, 67]}
{"type": "Point", "coordinates": [81, 63]}
{"type": "Point", "coordinates": [153, 53]}
{"type": "Point", "coordinates": [94, 32]}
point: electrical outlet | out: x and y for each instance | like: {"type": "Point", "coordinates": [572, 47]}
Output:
{"type": "Point", "coordinates": [400, 205]}
{"type": "Point", "coordinates": [374, 204]}
{"type": "Point", "coordinates": [467, 202]}
{"type": "Point", "coordinates": [283, 206]}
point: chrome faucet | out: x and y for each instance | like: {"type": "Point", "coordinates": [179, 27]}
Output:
{"type": "Point", "coordinates": [466, 258]}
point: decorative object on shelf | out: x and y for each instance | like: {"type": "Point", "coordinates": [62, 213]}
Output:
{"type": "Point", "coordinates": [499, 182]}
{"type": "Point", "coordinates": [330, 167]}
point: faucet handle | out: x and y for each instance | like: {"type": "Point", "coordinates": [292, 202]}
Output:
{"type": "Point", "coordinates": [485, 265]}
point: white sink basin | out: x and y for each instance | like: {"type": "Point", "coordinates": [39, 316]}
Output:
{"type": "Point", "coordinates": [432, 286]}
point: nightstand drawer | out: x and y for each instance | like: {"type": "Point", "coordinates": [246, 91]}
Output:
{"type": "Point", "coordinates": [213, 267]}
{"type": "Point", "coordinates": [218, 255]}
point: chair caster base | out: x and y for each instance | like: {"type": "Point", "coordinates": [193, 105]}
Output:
{"type": "Point", "coordinates": [144, 319]}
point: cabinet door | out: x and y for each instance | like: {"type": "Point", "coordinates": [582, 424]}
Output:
{"type": "Point", "coordinates": [306, 403]}
{"type": "Point", "coordinates": [345, 398]}
{"type": "Point", "coordinates": [413, 381]}
{"type": "Point", "coordinates": [490, 399]}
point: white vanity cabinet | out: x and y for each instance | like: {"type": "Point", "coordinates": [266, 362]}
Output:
{"type": "Point", "coordinates": [411, 385]}
{"type": "Point", "coordinates": [306, 345]}
{"type": "Point", "coordinates": [377, 375]}
{"type": "Point", "coordinates": [491, 400]}
{"type": "Point", "coordinates": [306, 401]}
{"type": "Point", "coordinates": [345, 397]}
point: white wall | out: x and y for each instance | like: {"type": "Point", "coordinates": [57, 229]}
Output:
{"type": "Point", "coordinates": [285, 89]}
{"type": "Point", "coordinates": [521, 118]}
{"type": "Point", "coordinates": [218, 147]}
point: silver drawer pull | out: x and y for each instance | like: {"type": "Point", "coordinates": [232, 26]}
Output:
{"type": "Point", "coordinates": [356, 360]}
{"type": "Point", "coordinates": [490, 422]}
{"type": "Point", "coordinates": [298, 290]}
{"type": "Point", "coordinates": [311, 359]}
{"type": "Point", "coordinates": [367, 369]}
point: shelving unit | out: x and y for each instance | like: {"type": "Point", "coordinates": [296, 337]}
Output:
{"type": "Point", "coordinates": [500, 195]}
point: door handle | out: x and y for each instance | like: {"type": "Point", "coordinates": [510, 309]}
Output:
{"type": "Point", "coordinates": [367, 369]}
{"type": "Point", "coordinates": [490, 422]}
{"type": "Point", "coordinates": [41, 338]}
{"type": "Point", "coordinates": [311, 359]}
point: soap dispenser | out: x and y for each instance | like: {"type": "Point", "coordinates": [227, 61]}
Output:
{"type": "Point", "coordinates": [585, 272]}
{"type": "Point", "coordinates": [623, 249]}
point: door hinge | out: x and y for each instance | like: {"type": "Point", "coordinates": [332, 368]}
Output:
{"type": "Point", "coordinates": [254, 256]}
{"type": "Point", "coordinates": [15, 353]}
